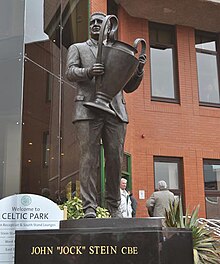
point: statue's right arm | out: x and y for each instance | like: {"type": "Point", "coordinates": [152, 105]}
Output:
{"type": "Point", "coordinates": [75, 72]}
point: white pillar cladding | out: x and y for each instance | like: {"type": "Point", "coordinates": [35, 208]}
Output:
{"type": "Point", "coordinates": [11, 90]}
{"type": "Point", "coordinates": [12, 147]}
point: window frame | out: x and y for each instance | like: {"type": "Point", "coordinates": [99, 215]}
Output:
{"type": "Point", "coordinates": [179, 161]}
{"type": "Point", "coordinates": [127, 174]}
{"type": "Point", "coordinates": [210, 193]}
{"type": "Point", "coordinates": [173, 46]}
{"type": "Point", "coordinates": [209, 52]}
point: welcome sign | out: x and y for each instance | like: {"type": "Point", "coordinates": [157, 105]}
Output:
{"type": "Point", "coordinates": [24, 212]}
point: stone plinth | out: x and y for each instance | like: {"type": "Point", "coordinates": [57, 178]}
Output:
{"type": "Point", "coordinates": [105, 241]}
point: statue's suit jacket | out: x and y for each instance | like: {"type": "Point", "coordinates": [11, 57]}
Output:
{"type": "Point", "coordinates": [80, 58]}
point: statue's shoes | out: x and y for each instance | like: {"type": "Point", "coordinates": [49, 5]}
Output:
{"type": "Point", "coordinates": [90, 213]}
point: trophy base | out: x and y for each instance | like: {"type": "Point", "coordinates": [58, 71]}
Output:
{"type": "Point", "coordinates": [100, 105]}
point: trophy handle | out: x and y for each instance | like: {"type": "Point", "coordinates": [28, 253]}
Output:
{"type": "Point", "coordinates": [118, 59]}
{"type": "Point", "coordinates": [143, 45]}
{"type": "Point", "coordinates": [112, 21]}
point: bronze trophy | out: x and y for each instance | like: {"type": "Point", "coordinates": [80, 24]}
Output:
{"type": "Point", "coordinates": [120, 64]}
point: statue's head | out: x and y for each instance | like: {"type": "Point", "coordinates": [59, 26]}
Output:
{"type": "Point", "coordinates": [96, 20]}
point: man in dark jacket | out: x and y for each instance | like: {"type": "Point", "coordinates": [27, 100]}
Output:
{"type": "Point", "coordinates": [93, 127]}
{"type": "Point", "coordinates": [133, 204]}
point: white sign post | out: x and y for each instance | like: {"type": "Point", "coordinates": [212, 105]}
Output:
{"type": "Point", "coordinates": [24, 212]}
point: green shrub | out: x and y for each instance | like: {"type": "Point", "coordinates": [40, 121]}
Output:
{"type": "Point", "coordinates": [205, 243]}
{"type": "Point", "coordinates": [75, 209]}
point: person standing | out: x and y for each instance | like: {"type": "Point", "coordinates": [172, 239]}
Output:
{"type": "Point", "coordinates": [92, 127]}
{"type": "Point", "coordinates": [133, 204]}
{"type": "Point", "coordinates": [160, 200]}
{"type": "Point", "coordinates": [125, 205]}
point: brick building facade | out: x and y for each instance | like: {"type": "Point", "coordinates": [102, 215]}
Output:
{"type": "Point", "coordinates": [184, 130]}
{"type": "Point", "coordinates": [174, 115]}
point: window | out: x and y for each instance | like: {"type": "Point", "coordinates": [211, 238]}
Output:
{"type": "Point", "coordinates": [211, 170]}
{"type": "Point", "coordinates": [46, 149]}
{"type": "Point", "coordinates": [49, 86]}
{"type": "Point", "coordinates": [163, 63]}
{"type": "Point", "coordinates": [170, 170]}
{"type": "Point", "coordinates": [51, 26]}
{"type": "Point", "coordinates": [207, 57]}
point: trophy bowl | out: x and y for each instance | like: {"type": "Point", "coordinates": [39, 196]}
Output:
{"type": "Point", "coordinates": [120, 64]}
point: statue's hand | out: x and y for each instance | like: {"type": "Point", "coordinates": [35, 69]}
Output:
{"type": "Point", "coordinates": [96, 70]}
{"type": "Point", "coordinates": [142, 60]}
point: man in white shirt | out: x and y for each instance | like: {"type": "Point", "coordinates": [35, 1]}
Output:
{"type": "Point", "coordinates": [125, 206]}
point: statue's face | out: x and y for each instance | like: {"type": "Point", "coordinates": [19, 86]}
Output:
{"type": "Point", "coordinates": [95, 26]}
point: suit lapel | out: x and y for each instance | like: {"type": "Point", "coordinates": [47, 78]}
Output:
{"type": "Point", "coordinates": [92, 47]}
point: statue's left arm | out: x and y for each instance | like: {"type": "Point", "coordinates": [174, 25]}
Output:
{"type": "Point", "coordinates": [137, 77]}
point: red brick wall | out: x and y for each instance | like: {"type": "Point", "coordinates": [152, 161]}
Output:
{"type": "Point", "coordinates": [164, 129]}
{"type": "Point", "coordinates": [184, 130]}
{"type": "Point", "coordinates": [142, 165]}
{"type": "Point", "coordinates": [98, 6]}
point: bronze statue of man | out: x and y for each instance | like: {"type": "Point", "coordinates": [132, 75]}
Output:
{"type": "Point", "coordinates": [92, 127]}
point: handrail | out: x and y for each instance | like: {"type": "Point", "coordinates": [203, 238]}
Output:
{"type": "Point", "coordinates": [211, 224]}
